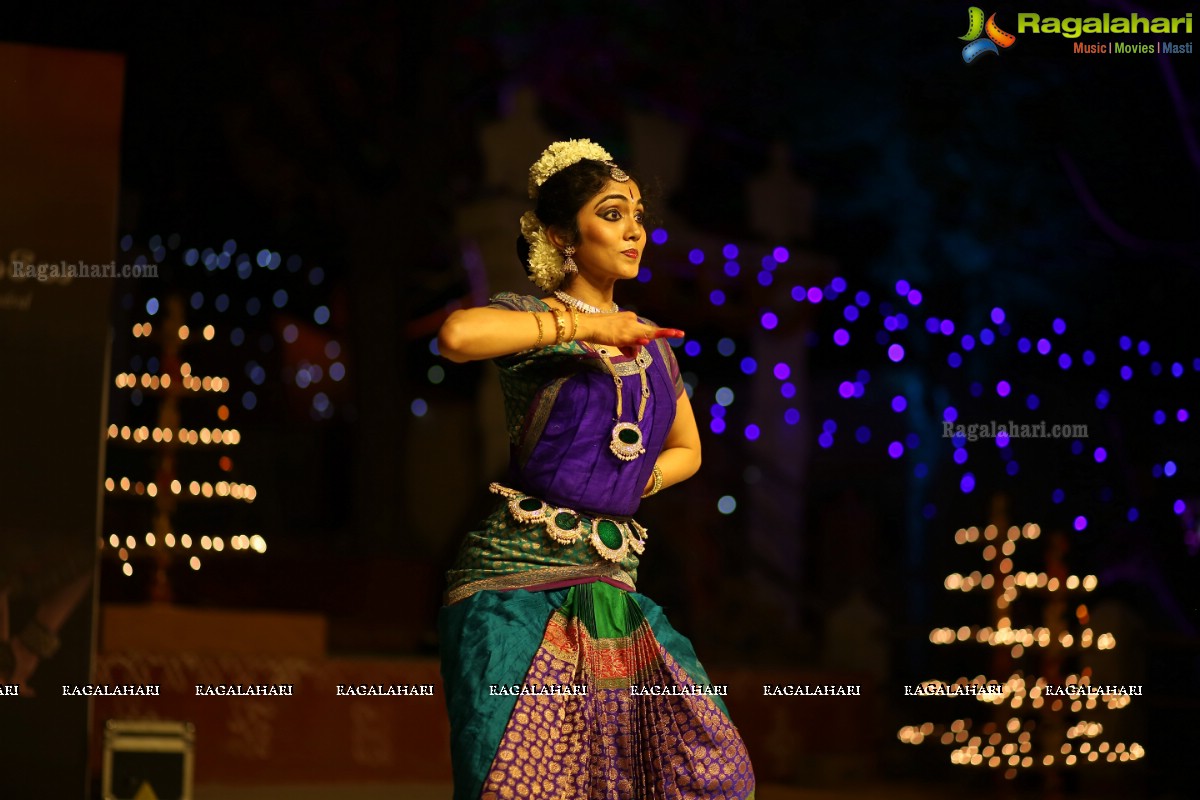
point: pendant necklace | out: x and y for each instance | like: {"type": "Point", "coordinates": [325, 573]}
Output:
{"type": "Point", "coordinates": [627, 436]}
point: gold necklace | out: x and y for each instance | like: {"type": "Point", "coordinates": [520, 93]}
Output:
{"type": "Point", "coordinates": [627, 436]}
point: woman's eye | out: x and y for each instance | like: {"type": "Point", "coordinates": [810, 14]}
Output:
{"type": "Point", "coordinates": [612, 215]}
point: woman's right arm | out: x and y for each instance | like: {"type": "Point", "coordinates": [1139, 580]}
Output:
{"type": "Point", "coordinates": [473, 334]}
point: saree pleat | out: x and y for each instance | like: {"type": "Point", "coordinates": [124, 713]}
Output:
{"type": "Point", "coordinates": [641, 729]}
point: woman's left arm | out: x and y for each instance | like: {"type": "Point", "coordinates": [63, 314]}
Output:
{"type": "Point", "coordinates": [680, 456]}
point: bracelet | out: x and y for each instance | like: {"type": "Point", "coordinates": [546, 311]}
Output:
{"type": "Point", "coordinates": [560, 324]}
{"type": "Point", "coordinates": [574, 323]}
{"type": "Point", "coordinates": [658, 479]}
{"type": "Point", "coordinates": [538, 320]}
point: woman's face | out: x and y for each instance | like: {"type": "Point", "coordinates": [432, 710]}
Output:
{"type": "Point", "coordinates": [611, 234]}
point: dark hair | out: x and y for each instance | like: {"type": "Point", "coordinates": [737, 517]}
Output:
{"type": "Point", "coordinates": [563, 194]}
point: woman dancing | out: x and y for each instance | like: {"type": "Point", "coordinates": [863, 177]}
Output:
{"type": "Point", "coordinates": [561, 680]}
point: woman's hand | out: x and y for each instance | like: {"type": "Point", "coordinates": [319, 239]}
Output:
{"type": "Point", "coordinates": [621, 330]}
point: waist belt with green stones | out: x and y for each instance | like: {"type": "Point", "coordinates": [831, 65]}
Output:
{"type": "Point", "coordinates": [611, 537]}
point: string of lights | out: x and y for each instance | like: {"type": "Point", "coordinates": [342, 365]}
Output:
{"type": "Point", "coordinates": [1019, 743]}
{"type": "Point", "coordinates": [171, 380]}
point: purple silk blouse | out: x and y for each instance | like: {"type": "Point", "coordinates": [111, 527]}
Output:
{"type": "Point", "coordinates": [560, 450]}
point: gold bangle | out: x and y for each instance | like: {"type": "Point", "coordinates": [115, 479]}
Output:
{"type": "Point", "coordinates": [560, 326]}
{"type": "Point", "coordinates": [574, 325]}
{"type": "Point", "coordinates": [537, 318]}
{"type": "Point", "coordinates": [658, 481]}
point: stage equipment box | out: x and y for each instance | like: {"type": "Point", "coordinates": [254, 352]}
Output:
{"type": "Point", "coordinates": [148, 760]}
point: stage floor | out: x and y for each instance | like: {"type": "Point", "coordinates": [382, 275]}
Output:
{"type": "Point", "coordinates": [442, 791]}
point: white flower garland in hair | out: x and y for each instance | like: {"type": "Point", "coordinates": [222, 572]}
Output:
{"type": "Point", "coordinates": [545, 260]}
{"type": "Point", "coordinates": [561, 155]}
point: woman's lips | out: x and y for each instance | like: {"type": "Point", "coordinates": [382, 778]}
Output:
{"type": "Point", "coordinates": [630, 253]}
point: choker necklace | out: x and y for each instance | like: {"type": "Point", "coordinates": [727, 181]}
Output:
{"type": "Point", "coordinates": [627, 436]}
{"type": "Point", "coordinates": [579, 305]}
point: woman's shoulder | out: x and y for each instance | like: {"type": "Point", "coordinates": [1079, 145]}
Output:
{"type": "Point", "coordinates": [516, 302]}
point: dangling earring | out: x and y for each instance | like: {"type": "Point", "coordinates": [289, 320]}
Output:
{"type": "Point", "coordinates": [568, 262]}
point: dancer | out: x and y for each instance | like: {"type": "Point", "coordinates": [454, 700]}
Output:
{"type": "Point", "coordinates": [561, 680]}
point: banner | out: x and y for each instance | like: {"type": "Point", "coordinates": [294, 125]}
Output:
{"type": "Point", "coordinates": [60, 114]}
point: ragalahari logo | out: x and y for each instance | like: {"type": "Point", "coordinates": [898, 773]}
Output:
{"type": "Point", "coordinates": [975, 28]}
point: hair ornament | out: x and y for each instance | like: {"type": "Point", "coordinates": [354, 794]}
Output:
{"type": "Point", "coordinates": [561, 155]}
